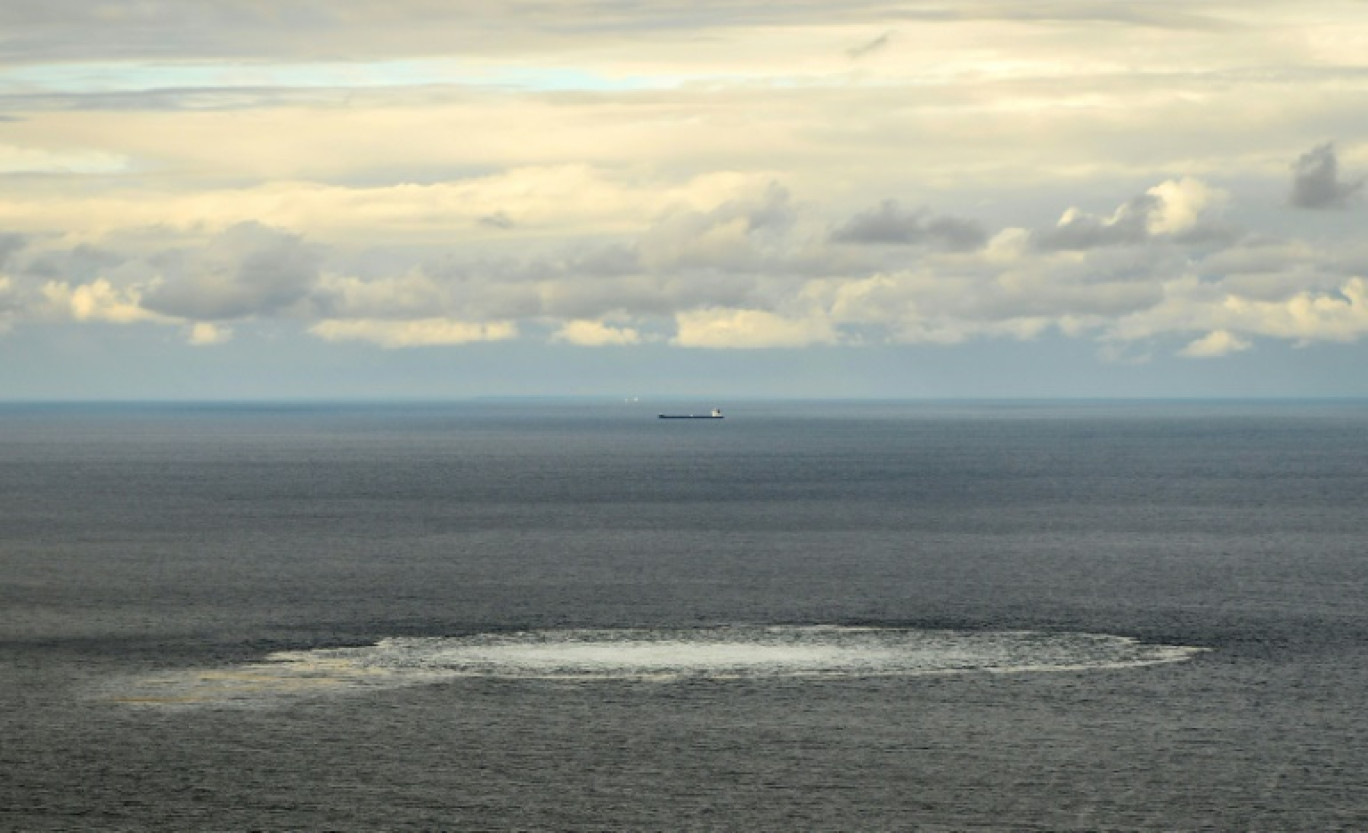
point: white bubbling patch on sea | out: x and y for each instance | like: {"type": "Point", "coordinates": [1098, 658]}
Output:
{"type": "Point", "coordinates": [649, 654]}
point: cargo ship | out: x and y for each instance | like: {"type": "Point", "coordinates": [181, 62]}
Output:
{"type": "Point", "coordinates": [716, 414]}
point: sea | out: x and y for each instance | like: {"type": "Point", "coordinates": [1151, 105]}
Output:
{"type": "Point", "coordinates": [570, 615]}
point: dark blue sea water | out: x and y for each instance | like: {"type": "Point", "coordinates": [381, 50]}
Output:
{"type": "Point", "coordinates": [574, 616]}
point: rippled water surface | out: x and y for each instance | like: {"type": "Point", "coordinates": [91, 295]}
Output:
{"type": "Point", "coordinates": [573, 616]}
{"type": "Point", "coordinates": [636, 654]}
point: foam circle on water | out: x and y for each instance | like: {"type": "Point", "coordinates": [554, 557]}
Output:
{"type": "Point", "coordinates": [650, 654]}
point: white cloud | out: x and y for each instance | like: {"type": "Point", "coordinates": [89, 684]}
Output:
{"type": "Point", "coordinates": [39, 160]}
{"type": "Point", "coordinates": [596, 334]}
{"type": "Point", "coordinates": [96, 301]}
{"type": "Point", "coordinates": [1214, 344]}
{"type": "Point", "coordinates": [1183, 203]}
{"type": "Point", "coordinates": [424, 332]}
{"type": "Point", "coordinates": [749, 329]}
{"type": "Point", "coordinates": [205, 333]}
{"type": "Point", "coordinates": [1306, 316]}
{"type": "Point", "coordinates": [1181, 209]}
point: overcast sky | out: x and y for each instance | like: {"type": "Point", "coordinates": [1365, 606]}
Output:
{"type": "Point", "coordinates": [722, 198]}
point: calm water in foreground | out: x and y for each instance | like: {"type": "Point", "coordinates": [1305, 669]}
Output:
{"type": "Point", "coordinates": [575, 616]}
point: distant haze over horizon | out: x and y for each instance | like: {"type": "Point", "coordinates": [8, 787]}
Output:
{"type": "Point", "coordinates": [362, 201]}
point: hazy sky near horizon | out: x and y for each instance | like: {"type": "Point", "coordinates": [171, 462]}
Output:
{"type": "Point", "coordinates": [238, 198]}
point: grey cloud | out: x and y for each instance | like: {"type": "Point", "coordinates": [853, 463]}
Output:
{"type": "Point", "coordinates": [10, 242]}
{"type": "Point", "coordinates": [81, 264]}
{"type": "Point", "coordinates": [487, 288]}
{"type": "Point", "coordinates": [81, 30]}
{"type": "Point", "coordinates": [1316, 181]}
{"type": "Point", "coordinates": [1209, 234]}
{"type": "Point", "coordinates": [498, 220]}
{"type": "Point", "coordinates": [352, 29]}
{"type": "Point", "coordinates": [1052, 299]}
{"type": "Point", "coordinates": [1129, 225]}
{"type": "Point", "coordinates": [605, 261]}
{"type": "Point", "coordinates": [1150, 16]}
{"type": "Point", "coordinates": [78, 29]}
{"type": "Point", "coordinates": [172, 99]}
{"type": "Point", "coordinates": [249, 270]}
{"type": "Point", "coordinates": [773, 212]}
{"type": "Point", "coordinates": [890, 224]}
{"type": "Point", "coordinates": [871, 47]}
{"type": "Point", "coordinates": [731, 237]}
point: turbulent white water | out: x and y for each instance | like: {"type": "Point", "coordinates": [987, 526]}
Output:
{"type": "Point", "coordinates": [642, 654]}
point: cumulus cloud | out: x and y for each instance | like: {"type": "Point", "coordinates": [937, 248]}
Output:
{"type": "Point", "coordinates": [204, 333]}
{"type": "Point", "coordinates": [730, 236]}
{"type": "Point", "coordinates": [596, 334]}
{"type": "Point", "coordinates": [248, 270]}
{"type": "Point", "coordinates": [1316, 180]}
{"type": "Point", "coordinates": [1077, 229]}
{"type": "Point", "coordinates": [423, 332]}
{"type": "Point", "coordinates": [80, 264]}
{"type": "Point", "coordinates": [1306, 316]}
{"type": "Point", "coordinates": [891, 224]}
{"type": "Point", "coordinates": [96, 301]}
{"type": "Point", "coordinates": [413, 293]}
{"type": "Point", "coordinates": [1182, 210]}
{"type": "Point", "coordinates": [1184, 206]}
{"type": "Point", "coordinates": [1214, 344]}
{"type": "Point", "coordinates": [750, 329]}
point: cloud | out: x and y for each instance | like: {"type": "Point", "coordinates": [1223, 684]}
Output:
{"type": "Point", "coordinates": [749, 329]}
{"type": "Point", "coordinates": [248, 270]}
{"type": "Point", "coordinates": [559, 202]}
{"type": "Point", "coordinates": [1078, 230]}
{"type": "Point", "coordinates": [1181, 210]}
{"type": "Point", "coordinates": [595, 334]}
{"type": "Point", "coordinates": [497, 220]}
{"type": "Point", "coordinates": [1306, 316]}
{"type": "Point", "coordinates": [97, 301]}
{"type": "Point", "coordinates": [248, 29]}
{"type": "Point", "coordinates": [735, 262]}
{"type": "Point", "coordinates": [1316, 181]}
{"type": "Point", "coordinates": [9, 244]}
{"type": "Point", "coordinates": [890, 224]}
{"type": "Point", "coordinates": [413, 293]}
{"type": "Point", "coordinates": [8, 304]}
{"type": "Point", "coordinates": [81, 264]}
{"type": "Point", "coordinates": [204, 333]}
{"type": "Point", "coordinates": [1214, 344]}
{"type": "Point", "coordinates": [730, 236]}
{"type": "Point", "coordinates": [870, 47]}
{"type": "Point", "coordinates": [423, 332]}
{"type": "Point", "coordinates": [16, 159]}
{"type": "Point", "coordinates": [1184, 206]}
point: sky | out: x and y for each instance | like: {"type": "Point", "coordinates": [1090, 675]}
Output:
{"type": "Point", "coordinates": [253, 199]}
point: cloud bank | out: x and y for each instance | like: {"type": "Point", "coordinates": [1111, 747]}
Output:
{"type": "Point", "coordinates": [760, 269]}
